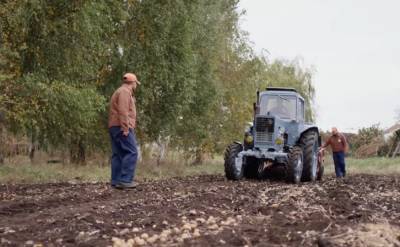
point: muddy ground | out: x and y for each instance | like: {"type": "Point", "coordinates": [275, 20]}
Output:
{"type": "Point", "coordinates": [360, 210]}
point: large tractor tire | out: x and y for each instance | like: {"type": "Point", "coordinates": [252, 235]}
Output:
{"type": "Point", "coordinates": [309, 144]}
{"type": "Point", "coordinates": [295, 165]}
{"type": "Point", "coordinates": [231, 153]}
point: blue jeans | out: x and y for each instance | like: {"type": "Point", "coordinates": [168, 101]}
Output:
{"type": "Point", "coordinates": [124, 156]}
{"type": "Point", "coordinates": [340, 165]}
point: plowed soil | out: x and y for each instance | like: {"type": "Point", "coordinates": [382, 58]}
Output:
{"type": "Point", "coordinates": [360, 210]}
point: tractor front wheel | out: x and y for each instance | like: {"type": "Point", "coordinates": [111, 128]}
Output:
{"type": "Point", "coordinates": [233, 172]}
{"type": "Point", "coordinates": [309, 143]}
{"type": "Point", "coordinates": [294, 167]}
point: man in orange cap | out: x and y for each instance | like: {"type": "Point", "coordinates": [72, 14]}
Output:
{"type": "Point", "coordinates": [121, 124]}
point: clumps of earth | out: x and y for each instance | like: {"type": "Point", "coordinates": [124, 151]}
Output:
{"type": "Point", "coordinates": [187, 230]}
{"type": "Point", "coordinates": [359, 210]}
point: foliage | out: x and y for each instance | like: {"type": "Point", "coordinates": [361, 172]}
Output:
{"type": "Point", "coordinates": [367, 135]}
{"type": "Point", "coordinates": [54, 55]}
{"type": "Point", "coordinates": [60, 62]}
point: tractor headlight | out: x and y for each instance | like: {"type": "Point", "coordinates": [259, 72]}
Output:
{"type": "Point", "coordinates": [249, 139]}
{"type": "Point", "coordinates": [279, 141]}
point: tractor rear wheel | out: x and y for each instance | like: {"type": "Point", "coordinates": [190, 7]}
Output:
{"type": "Point", "coordinates": [232, 172]}
{"type": "Point", "coordinates": [309, 143]}
{"type": "Point", "coordinates": [294, 167]}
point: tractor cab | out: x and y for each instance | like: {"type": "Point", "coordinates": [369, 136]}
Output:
{"type": "Point", "coordinates": [286, 104]}
{"type": "Point", "coordinates": [279, 113]}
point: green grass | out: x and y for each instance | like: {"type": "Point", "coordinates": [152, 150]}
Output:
{"type": "Point", "coordinates": [27, 173]}
{"type": "Point", "coordinates": [45, 173]}
{"type": "Point", "coordinates": [377, 165]}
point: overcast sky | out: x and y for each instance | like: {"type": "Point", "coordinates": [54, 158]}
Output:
{"type": "Point", "coordinates": [353, 45]}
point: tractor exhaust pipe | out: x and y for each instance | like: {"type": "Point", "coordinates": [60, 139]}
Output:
{"type": "Point", "coordinates": [256, 104]}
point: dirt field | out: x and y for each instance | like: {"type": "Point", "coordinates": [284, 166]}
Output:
{"type": "Point", "coordinates": [361, 210]}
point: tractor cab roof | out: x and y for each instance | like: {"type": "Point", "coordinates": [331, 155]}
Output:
{"type": "Point", "coordinates": [281, 91]}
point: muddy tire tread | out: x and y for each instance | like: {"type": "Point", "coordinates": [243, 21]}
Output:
{"type": "Point", "coordinates": [230, 155]}
{"type": "Point", "coordinates": [293, 156]}
{"type": "Point", "coordinates": [307, 143]}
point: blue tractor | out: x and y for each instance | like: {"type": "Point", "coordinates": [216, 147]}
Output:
{"type": "Point", "coordinates": [278, 141]}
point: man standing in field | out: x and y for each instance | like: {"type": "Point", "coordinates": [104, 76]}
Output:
{"type": "Point", "coordinates": [339, 146]}
{"type": "Point", "coordinates": [121, 124]}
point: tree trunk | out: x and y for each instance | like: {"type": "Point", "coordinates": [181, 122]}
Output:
{"type": "Point", "coordinates": [2, 142]}
{"type": "Point", "coordinates": [397, 150]}
{"type": "Point", "coordinates": [162, 144]}
{"type": "Point", "coordinates": [32, 150]}
{"type": "Point", "coordinates": [199, 157]}
{"type": "Point", "coordinates": [78, 153]}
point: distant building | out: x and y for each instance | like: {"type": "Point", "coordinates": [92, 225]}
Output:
{"type": "Point", "coordinates": [390, 132]}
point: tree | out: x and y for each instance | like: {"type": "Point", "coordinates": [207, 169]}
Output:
{"type": "Point", "coordinates": [55, 52]}
{"type": "Point", "coordinates": [60, 62]}
{"type": "Point", "coordinates": [367, 135]}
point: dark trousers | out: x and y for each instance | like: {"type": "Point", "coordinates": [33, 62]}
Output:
{"type": "Point", "coordinates": [124, 156]}
{"type": "Point", "coordinates": [340, 165]}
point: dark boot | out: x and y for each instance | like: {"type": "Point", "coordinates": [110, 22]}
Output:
{"type": "Point", "coordinates": [127, 186]}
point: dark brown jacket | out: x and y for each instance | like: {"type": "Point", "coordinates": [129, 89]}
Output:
{"type": "Point", "coordinates": [337, 142]}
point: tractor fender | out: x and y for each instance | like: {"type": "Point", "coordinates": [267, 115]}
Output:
{"type": "Point", "coordinates": [239, 143]}
{"type": "Point", "coordinates": [309, 128]}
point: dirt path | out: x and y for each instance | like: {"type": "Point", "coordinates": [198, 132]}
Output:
{"type": "Point", "coordinates": [204, 211]}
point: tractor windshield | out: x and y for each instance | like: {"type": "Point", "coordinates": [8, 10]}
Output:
{"type": "Point", "coordinates": [283, 106]}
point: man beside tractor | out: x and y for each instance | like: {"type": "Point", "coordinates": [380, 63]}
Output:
{"type": "Point", "coordinates": [339, 146]}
